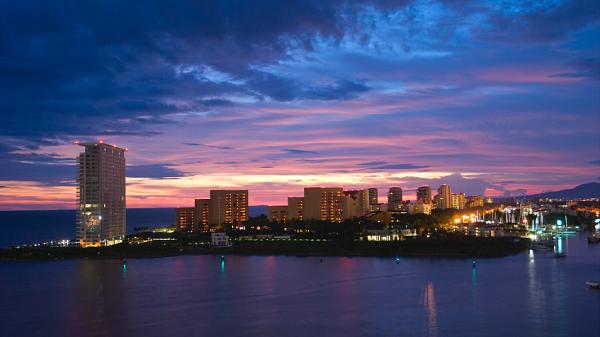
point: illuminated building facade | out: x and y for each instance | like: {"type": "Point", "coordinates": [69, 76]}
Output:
{"type": "Point", "coordinates": [185, 219]}
{"type": "Point", "coordinates": [323, 204]}
{"type": "Point", "coordinates": [373, 200]}
{"type": "Point", "coordinates": [394, 198]}
{"type": "Point", "coordinates": [444, 197]}
{"type": "Point", "coordinates": [277, 213]}
{"type": "Point", "coordinates": [295, 208]}
{"type": "Point", "coordinates": [201, 212]}
{"type": "Point", "coordinates": [458, 200]}
{"type": "Point", "coordinates": [474, 201]}
{"type": "Point", "coordinates": [424, 194]}
{"type": "Point", "coordinates": [101, 194]}
{"type": "Point", "coordinates": [420, 207]}
{"type": "Point", "coordinates": [228, 208]}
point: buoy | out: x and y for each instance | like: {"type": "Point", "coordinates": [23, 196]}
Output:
{"type": "Point", "coordinates": [321, 260]}
{"type": "Point", "coordinates": [397, 260]}
{"type": "Point", "coordinates": [474, 264]}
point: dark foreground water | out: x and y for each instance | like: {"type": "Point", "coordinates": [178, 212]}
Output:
{"type": "Point", "coordinates": [520, 295]}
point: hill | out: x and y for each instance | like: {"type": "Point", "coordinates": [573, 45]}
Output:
{"type": "Point", "coordinates": [589, 190]}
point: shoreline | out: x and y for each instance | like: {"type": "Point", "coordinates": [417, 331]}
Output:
{"type": "Point", "coordinates": [461, 248]}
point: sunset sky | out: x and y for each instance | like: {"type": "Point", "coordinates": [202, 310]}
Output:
{"type": "Point", "coordinates": [494, 97]}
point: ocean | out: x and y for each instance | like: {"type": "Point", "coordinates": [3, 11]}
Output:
{"type": "Point", "coordinates": [530, 294]}
{"type": "Point", "coordinates": [26, 227]}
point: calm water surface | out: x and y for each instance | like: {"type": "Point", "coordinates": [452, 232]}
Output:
{"type": "Point", "coordinates": [521, 295]}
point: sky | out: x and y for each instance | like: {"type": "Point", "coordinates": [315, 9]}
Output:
{"type": "Point", "coordinates": [492, 97]}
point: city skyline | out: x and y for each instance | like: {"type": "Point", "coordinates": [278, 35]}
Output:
{"type": "Point", "coordinates": [493, 99]}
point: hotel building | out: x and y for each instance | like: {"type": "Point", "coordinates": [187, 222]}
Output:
{"type": "Point", "coordinates": [185, 219]}
{"type": "Point", "coordinates": [458, 200]}
{"type": "Point", "coordinates": [228, 208]}
{"type": "Point", "coordinates": [444, 197]}
{"type": "Point", "coordinates": [101, 195]}
{"type": "Point", "coordinates": [323, 204]}
{"type": "Point", "coordinates": [201, 211]}
{"type": "Point", "coordinates": [295, 208]}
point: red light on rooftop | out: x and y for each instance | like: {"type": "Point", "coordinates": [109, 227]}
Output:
{"type": "Point", "coordinates": [101, 141]}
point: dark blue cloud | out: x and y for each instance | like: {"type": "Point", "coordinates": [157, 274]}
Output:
{"type": "Point", "coordinates": [69, 67]}
{"type": "Point", "coordinates": [216, 102]}
{"type": "Point", "coordinates": [208, 145]}
{"type": "Point", "coordinates": [534, 21]}
{"type": "Point", "coordinates": [18, 164]}
{"type": "Point", "coordinates": [158, 171]}
{"type": "Point", "coordinates": [313, 161]}
{"type": "Point", "coordinates": [373, 163]}
{"type": "Point", "coordinates": [446, 142]}
{"type": "Point", "coordinates": [72, 68]}
{"type": "Point", "coordinates": [585, 68]}
{"type": "Point", "coordinates": [298, 152]}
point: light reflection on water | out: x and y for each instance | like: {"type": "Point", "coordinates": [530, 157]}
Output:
{"type": "Point", "coordinates": [429, 303]}
{"type": "Point", "coordinates": [533, 294]}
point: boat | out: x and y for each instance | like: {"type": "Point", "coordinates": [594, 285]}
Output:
{"type": "Point", "coordinates": [543, 245]}
{"type": "Point", "coordinates": [546, 242]}
{"type": "Point", "coordinates": [540, 248]}
{"type": "Point", "coordinates": [593, 285]}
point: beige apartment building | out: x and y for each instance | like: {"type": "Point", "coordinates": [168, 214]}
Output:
{"type": "Point", "coordinates": [228, 208]}
{"type": "Point", "coordinates": [323, 204]}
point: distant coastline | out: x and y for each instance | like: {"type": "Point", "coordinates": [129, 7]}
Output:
{"type": "Point", "coordinates": [459, 247]}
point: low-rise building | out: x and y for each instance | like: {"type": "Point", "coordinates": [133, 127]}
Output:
{"type": "Point", "coordinates": [382, 235]}
{"type": "Point", "coordinates": [219, 239]}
